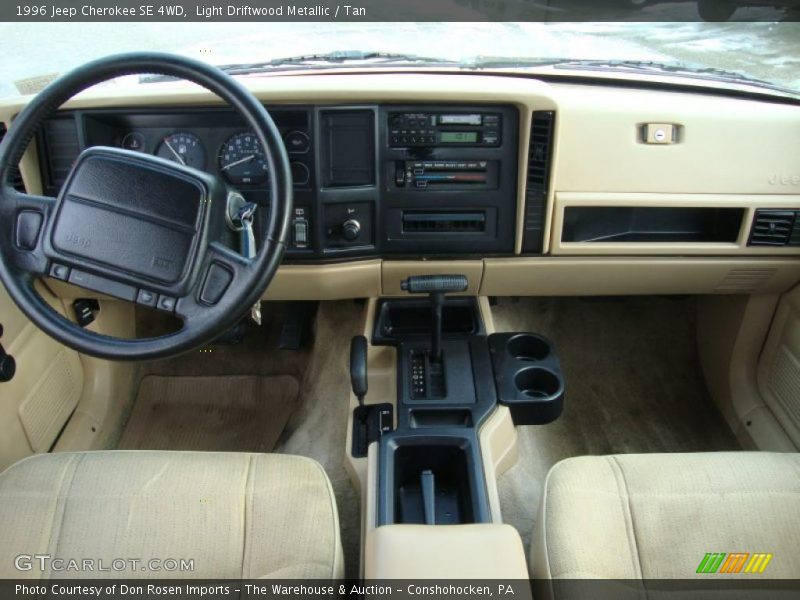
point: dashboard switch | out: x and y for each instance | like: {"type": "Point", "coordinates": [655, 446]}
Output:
{"type": "Point", "coordinates": [300, 227]}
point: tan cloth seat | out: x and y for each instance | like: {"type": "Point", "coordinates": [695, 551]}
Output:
{"type": "Point", "coordinates": [657, 515]}
{"type": "Point", "coordinates": [233, 515]}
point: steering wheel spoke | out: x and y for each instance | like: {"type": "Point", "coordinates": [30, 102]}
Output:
{"type": "Point", "coordinates": [224, 273]}
{"type": "Point", "coordinates": [28, 216]}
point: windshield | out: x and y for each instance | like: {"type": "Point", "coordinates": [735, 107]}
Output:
{"type": "Point", "coordinates": [765, 51]}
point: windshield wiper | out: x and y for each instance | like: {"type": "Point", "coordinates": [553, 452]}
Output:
{"type": "Point", "coordinates": [631, 66]}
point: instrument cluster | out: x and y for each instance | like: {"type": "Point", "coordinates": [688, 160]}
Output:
{"type": "Point", "coordinates": [240, 158]}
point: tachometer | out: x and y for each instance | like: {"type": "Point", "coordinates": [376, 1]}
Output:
{"type": "Point", "coordinates": [184, 148]}
{"type": "Point", "coordinates": [242, 160]}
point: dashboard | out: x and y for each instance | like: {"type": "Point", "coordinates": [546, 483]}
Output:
{"type": "Point", "coordinates": [369, 180]}
{"type": "Point", "coordinates": [527, 187]}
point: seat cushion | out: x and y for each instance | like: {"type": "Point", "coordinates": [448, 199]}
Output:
{"type": "Point", "coordinates": [657, 515]}
{"type": "Point", "coordinates": [233, 515]}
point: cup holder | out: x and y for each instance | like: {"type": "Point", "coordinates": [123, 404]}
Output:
{"type": "Point", "coordinates": [528, 377]}
{"type": "Point", "coordinates": [528, 348]}
{"type": "Point", "coordinates": [535, 382]}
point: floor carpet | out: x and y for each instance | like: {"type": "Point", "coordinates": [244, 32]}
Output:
{"type": "Point", "coordinates": [318, 427]}
{"type": "Point", "coordinates": [236, 413]}
{"type": "Point", "coordinates": [633, 385]}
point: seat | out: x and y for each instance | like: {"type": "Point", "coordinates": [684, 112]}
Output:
{"type": "Point", "coordinates": [233, 515]}
{"type": "Point", "coordinates": [656, 516]}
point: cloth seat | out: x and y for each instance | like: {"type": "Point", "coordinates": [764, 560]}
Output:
{"type": "Point", "coordinates": [233, 515]}
{"type": "Point", "coordinates": [656, 516]}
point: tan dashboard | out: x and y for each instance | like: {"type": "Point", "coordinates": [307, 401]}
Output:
{"type": "Point", "coordinates": [620, 216]}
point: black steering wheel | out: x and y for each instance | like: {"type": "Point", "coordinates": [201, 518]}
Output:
{"type": "Point", "coordinates": [138, 227]}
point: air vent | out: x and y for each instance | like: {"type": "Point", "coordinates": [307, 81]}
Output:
{"type": "Point", "coordinates": [540, 153]}
{"type": "Point", "coordinates": [16, 176]}
{"type": "Point", "coordinates": [61, 149]}
{"type": "Point", "coordinates": [774, 228]}
{"type": "Point", "coordinates": [444, 222]}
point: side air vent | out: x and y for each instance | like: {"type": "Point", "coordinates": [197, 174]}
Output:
{"type": "Point", "coordinates": [61, 148]}
{"type": "Point", "coordinates": [16, 176]}
{"type": "Point", "coordinates": [540, 153]}
{"type": "Point", "coordinates": [444, 222]}
{"type": "Point", "coordinates": [775, 228]}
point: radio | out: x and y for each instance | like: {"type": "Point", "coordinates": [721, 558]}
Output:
{"type": "Point", "coordinates": [444, 129]}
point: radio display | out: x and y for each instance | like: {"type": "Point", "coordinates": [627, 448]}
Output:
{"type": "Point", "coordinates": [458, 137]}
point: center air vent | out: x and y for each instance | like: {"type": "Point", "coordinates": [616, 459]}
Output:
{"type": "Point", "coordinates": [540, 153]}
{"type": "Point", "coordinates": [444, 222]}
{"type": "Point", "coordinates": [16, 176]}
{"type": "Point", "coordinates": [775, 228]}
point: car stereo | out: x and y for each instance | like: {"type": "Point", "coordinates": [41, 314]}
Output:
{"type": "Point", "coordinates": [415, 129]}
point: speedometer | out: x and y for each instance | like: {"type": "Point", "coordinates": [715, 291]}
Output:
{"type": "Point", "coordinates": [242, 160]}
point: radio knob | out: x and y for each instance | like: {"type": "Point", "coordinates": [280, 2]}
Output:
{"type": "Point", "coordinates": [350, 229]}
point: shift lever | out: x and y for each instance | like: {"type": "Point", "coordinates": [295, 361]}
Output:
{"type": "Point", "coordinates": [436, 286]}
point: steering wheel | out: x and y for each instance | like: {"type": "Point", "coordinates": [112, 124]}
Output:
{"type": "Point", "coordinates": [138, 227]}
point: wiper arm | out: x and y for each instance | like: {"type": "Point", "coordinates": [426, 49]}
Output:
{"type": "Point", "coordinates": [332, 58]}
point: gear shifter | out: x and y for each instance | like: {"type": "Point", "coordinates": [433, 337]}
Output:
{"type": "Point", "coordinates": [436, 286]}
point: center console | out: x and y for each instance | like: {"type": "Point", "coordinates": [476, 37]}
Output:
{"type": "Point", "coordinates": [452, 374]}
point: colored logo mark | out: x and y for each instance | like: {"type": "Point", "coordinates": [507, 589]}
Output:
{"type": "Point", "coordinates": [734, 562]}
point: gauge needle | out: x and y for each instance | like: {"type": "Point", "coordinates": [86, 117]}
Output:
{"type": "Point", "coordinates": [238, 162]}
{"type": "Point", "coordinates": [178, 156]}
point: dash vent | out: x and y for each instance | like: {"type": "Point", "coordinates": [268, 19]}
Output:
{"type": "Point", "coordinates": [775, 228]}
{"type": "Point", "coordinates": [16, 176]}
{"type": "Point", "coordinates": [61, 149]}
{"type": "Point", "coordinates": [540, 153]}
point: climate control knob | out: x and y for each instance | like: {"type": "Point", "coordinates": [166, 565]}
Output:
{"type": "Point", "coordinates": [350, 229]}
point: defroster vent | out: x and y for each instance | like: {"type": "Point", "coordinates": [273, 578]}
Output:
{"type": "Point", "coordinates": [540, 152]}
